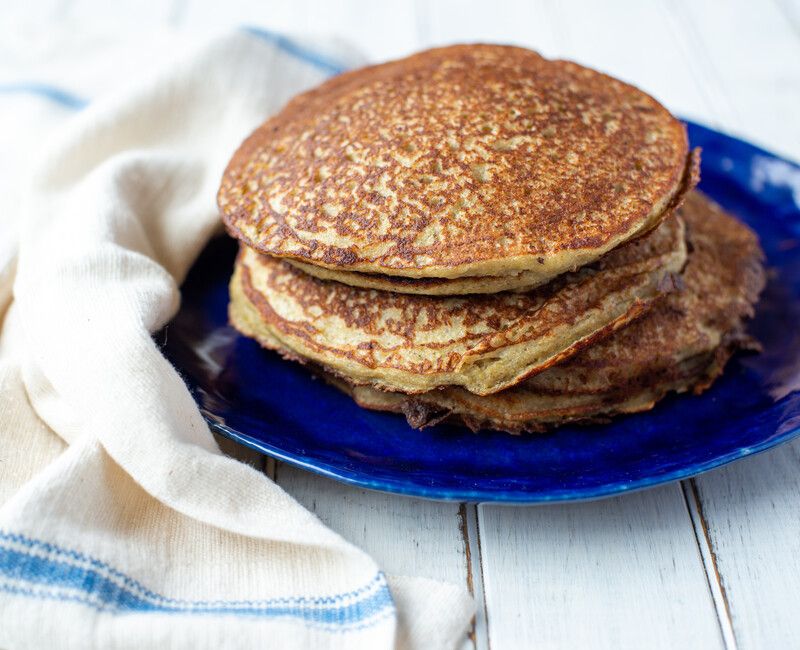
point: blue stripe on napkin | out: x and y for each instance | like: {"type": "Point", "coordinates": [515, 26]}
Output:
{"type": "Point", "coordinates": [53, 93]}
{"type": "Point", "coordinates": [38, 569]}
{"type": "Point", "coordinates": [301, 52]}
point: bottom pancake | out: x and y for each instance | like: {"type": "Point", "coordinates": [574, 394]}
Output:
{"type": "Point", "coordinates": [681, 345]}
{"type": "Point", "coordinates": [525, 409]}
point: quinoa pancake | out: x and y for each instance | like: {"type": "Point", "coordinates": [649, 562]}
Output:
{"type": "Point", "coordinates": [463, 161]}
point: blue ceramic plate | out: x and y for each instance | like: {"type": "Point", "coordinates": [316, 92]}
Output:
{"type": "Point", "coordinates": [277, 407]}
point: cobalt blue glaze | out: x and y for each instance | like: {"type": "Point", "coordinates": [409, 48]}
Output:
{"type": "Point", "coordinates": [277, 407]}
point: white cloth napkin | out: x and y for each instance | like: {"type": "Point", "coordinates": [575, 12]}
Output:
{"type": "Point", "coordinates": [121, 523]}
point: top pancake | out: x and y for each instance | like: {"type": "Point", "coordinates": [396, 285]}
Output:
{"type": "Point", "coordinates": [471, 160]}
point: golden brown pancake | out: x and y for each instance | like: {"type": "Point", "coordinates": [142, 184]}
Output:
{"type": "Point", "coordinates": [470, 160]}
{"type": "Point", "coordinates": [682, 344]}
{"type": "Point", "coordinates": [483, 343]}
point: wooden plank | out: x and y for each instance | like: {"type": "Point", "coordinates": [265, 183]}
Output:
{"type": "Point", "coordinates": [748, 54]}
{"type": "Point", "coordinates": [471, 532]}
{"type": "Point", "coordinates": [747, 512]}
{"type": "Point", "coordinates": [629, 41]}
{"type": "Point", "coordinates": [750, 515]}
{"type": "Point", "coordinates": [710, 563]}
{"type": "Point", "coordinates": [619, 573]}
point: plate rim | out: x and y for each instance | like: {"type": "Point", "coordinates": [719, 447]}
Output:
{"type": "Point", "coordinates": [499, 497]}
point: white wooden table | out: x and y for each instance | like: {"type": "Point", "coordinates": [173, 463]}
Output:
{"type": "Point", "coordinates": [707, 563]}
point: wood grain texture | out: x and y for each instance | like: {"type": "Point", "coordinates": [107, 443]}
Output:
{"type": "Point", "coordinates": [715, 587]}
{"type": "Point", "coordinates": [749, 58]}
{"type": "Point", "coordinates": [746, 515]}
{"type": "Point", "coordinates": [472, 536]}
{"type": "Point", "coordinates": [750, 510]}
{"type": "Point", "coordinates": [609, 38]}
{"type": "Point", "coordinates": [618, 573]}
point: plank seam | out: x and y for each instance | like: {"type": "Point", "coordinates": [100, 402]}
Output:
{"type": "Point", "coordinates": [703, 73]}
{"type": "Point", "coordinates": [709, 67]}
{"type": "Point", "coordinates": [468, 516]}
{"type": "Point", "coordinates": [271, 468]}
{"type": "Point", "coordinates": [719, 596]}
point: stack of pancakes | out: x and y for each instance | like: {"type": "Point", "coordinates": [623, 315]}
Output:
{"type": "Point", "coordinates": [478, 233]}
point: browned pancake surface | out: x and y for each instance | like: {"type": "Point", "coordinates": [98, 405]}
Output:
{"type": "Point", "coordinates": [466, 160]}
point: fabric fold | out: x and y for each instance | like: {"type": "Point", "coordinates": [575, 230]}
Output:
{"type": "Point", "coordinates": [141, 533]}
